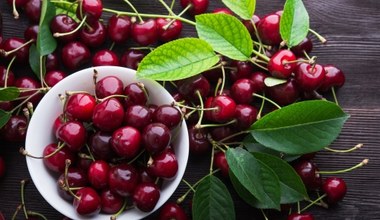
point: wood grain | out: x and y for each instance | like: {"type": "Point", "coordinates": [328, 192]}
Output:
{"type": "Point", "coordinates": [353, 33]}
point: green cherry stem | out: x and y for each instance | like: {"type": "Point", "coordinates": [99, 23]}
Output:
{"type": "Point", "coordinates": [364, 162]}
{"type": "Point", "coordinates": [256, 62]}
{"type": "Point", "coordinates": [16, 15]}
{"type": "Point", "coordinates": [358, 146]}
{"type": "Point", "coordinates": [90, 153]}
{"type": "Point", "coordinates": [313, 203]}
{"type": "Point", "coordinates": [261, 108]}
{"type": "Point", "coordinates": [223, 80]}
{"type": "Point", "coordinates": [135, 10]}
{"type": "Point", "coordinates": [23, 183]}
{"type": "Point", "coordinates": [264, 215]}
{"type": "Point", "coordinates": [233, 135]}
{"type": "Point", "coordinates": [216, 125]}
{"type": "Point", "coordinates": [334, 96]}
{"type": "Point", "coordinates": [8, 69]}
{"type": "Point", "coordinates": [73, 31]}
{"type": "Point", "coordinates": [166, 6]}
{"type": "Point", "coordinates": [19, 207]}
{"type": "Point", "coordinates": [32, 213]}
{"type": "Point", "coordinates": [67, 165]}
{"type": "Point", "coordinates": [262, 56]}
{"type": "Point", "coordinates": [7, 53]}
{"type": "Point", "coordinates": [201, 112]}
{"type": "Point", "coordinates": [320, 37]}
{"type": "Point", "coordinates": [212, 159]}
{"type": "Point", "coordinates": [121, 210]}
{"type": "Point", "coordinates": [179, 15]}
{"type": "Point", "coordinates": [266, 99]}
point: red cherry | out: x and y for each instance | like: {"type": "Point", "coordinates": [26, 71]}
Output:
{"type": "Point", "coordinates": [269, 29]}
{"type": "Point", "coordinates": [242, 91]}
{"type": "Point", "coordinates": [170, 33]}
{"type": "Point", "coordinates": [146, 196]}
{"type": "Point", "coordinates": [189, 88]}
{"type": "Point", "coordinates": [63, 23]}
{"type": "Point", "coordinates": [119, 28]}
{"type": "Point", "coordinates": [31, 32]}
{"type": "Point", "coordinates": [27, 82]}
{"type": "Point", "coordinates": [172, 210]}
{"type": "Point", "coordinates": [87, 201]}
{"type": "Point", "coordinates": [284, 94]}
{"type": "Point", "coordinates": [57, 162]}
{"type": "Point", "coordinates": [75, 178]}
{"type": "Point", "coordinates": [245, 116]}
{"type": "Point", "coordinates": [138, 116]}
{"type": "Point", "coordinates": [220, 162]}
{"type": "Point", "coordinates": [197, 6]}
{"type": "Point", "coordinates": [167, 115]}
{"type": "Point", "coordinates": [334, 78]}
{"type": "Point", "coordinates": [111, 202]}
{"type": "Point", "coordinates": [32, 10]}
{"type": "Point", "coordinates": [91, 8]}
{"type": "Point", "coordinates": [6, 106]}
{"type": "Point", "coordinates": [108, 115]}
{"type": "Point", "coordinates": [2, 167]}
{"type": "Point", "coordinates": [132, 58]}
{"type": "Point", "coordinates": [100, 146]}
{"type": "Point", "coordinates": [3, 74]}
{"type": "Point", "coordinates": [105, 58]}
{"type": "Point", "coordinates": [52, 62]}
{"type": "Point", "coordinates": [225, 108]}
{"type": "Point", "coordinates": [248, 24]}
{"type": "Point", "coordinates": [300, 216]}
{"type": "Point", "coordinates": [15, 129]}
{"type": "Point", "coordinates": [80, 106]}
{"type": "Point", "coordinates": [75, 54]}
{"type": "Point", "coordinates": [126, 142]}
{"type": "Point", "coordinates": [198, 141]}
{"type": "Point", "coordinates": [309, 77]}
{"type": "Point", "coordinates": [98, 174]}
{"type": "Point", "coordinates": [54, 76]}
{"type": "Point", "coordinates": [145, 33]}
{"type": "Point", "coordinates": [163, 164]}
{"type": "Point", "coordinates": [305, 46]}
{"type": "Point", "coordinates": [308, 171]}
{"type": "Point", "coordinates": [243, 70]}
{"type": "Point", "coordinates": [221, 132]}
{"type": "Point", "coordinates": [93, 36]}
{"type": "Point", "coordinates": [123, 179]}
{"type": "Point", "coordinates": [137, 94]}
{"type": "Point", "coordinates": [73, 134]}
{"type": "Point", "coordinates": [278, 65]}
{"type": "Point", "coordinates": [22, 54]}
{"type": "Point", "coordinates": [156, 137]}
{"type": "Point", "coordinates": [258, 81]}
{"type": "Point", "coordinates": [335, 189]}
{"type": "Point", "coordinates": [222, 11]}
{"type": "Point", "coordinates": [109, 85]}
{"type": "Point", "coordinates": [18, 3]}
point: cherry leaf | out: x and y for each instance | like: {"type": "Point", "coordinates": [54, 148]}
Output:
{"type": "Point", "coordinates": [68, 8]}
{"type": "Point", "coordinates": [46, 43]}
{"type": "Point", "coordinates": [243, 8]}
{"type": "Point", "coordinates": [212, 201]}
{"type": "Point", "coordinates": [300, 128]}
{"type": "Point", "coordinates": [177, 59]}
{"type": "Point", "coordinates": [9, 93]}
{"type": "Point", "coordinates": [34, 60]}
{"type": "Point", "coordinates": [4, 117]}
{"type": "Point", "coordinates": [294, 23]}
{"type": "Point", "coordinates": [226, 34]}
{"type": "Point", "coordinates": [271, 81]}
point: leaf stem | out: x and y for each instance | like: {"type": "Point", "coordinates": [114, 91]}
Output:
{"type": "Point", "coordinates": [364, 162]}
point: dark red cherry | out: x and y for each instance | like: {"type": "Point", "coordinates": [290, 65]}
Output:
{"type": "Point", "coordinates": [105, 58]}
{"type": "Point", "coordinates": [15, 43]}
{"type": "Point", "coordinates": [74, 55]}
{"type": "Point", "coordinates": [221, 132]}
{"type": "Point", "coordinates": [108, 115]}
{"type": "Point", "coordinates": [146, 196]}
{"type": "Point", "coordinates": [54, 76]}
{"type": "Point", "coordinates": [172, 210]}
{"type": "Point", "coordinates": [300, 216]}
{"type": "Point", "coordinates": [258, 81]}
{"type": "Point", "coordinates": [308, 171]}
{"type": "Point", "coordinates": [224, 108]}
{"type": "Point", "coordinates": [94, 35]}
{"type": "Point", "coordinates": [156, 137]}
{"type": "Point", "coordinates": [57, 162]}
{"type": "Point", "coordinates": [119, 28]}
{"type": "Point", "coordinates": [334, 78]}
{"type": "Point", "coordinates": [6, 106]}
{"type": "Point", "coordinates": [80, 106]}
{"type": "Point", "coordinates": [18, 3]}
{"type": "Point", "coordinates": [3, 75]}
{"type": "Point", "coordinates": [168, 115]}
{"type": "Point", "coordinates": [75, 178]}
{"type": "Point", "coordinates": [52, 62]}
{"type": "Point", "coordinates": [63, 23]}
{"type": "Point", "coordinates": [269, 29]}
{"type": "Point", "coordinates": [220, 162]}
{"type": "Point", "coordinates": [92, 9]}
{"type": "Point", "coordinates": [248, 24]}
{"type": "Point", "coordinates": [87, 201]}
{"type": "Point", "coordinates": [245, 116]}
{"type": "Point", "coordinates": [108, 86]}
{"type": "Point", "coordinates": [2, 167]}
{"type": "Point", "coordinates": [15, 129]}
{"type": "Point", "coordinates": [138, 116]}
{"type": "Point", "coordinates": [126, 142]}
{"type": "Point", "coordinates": [163, 164]}
{"type": "Point", "coordinates": [145, 33]}
{"type": "Point", "coordinates": [27, 82]}
{"type": "Point", "coordinates": [172, 32]}
{"type": "Point", "coordinates": [335, 189]}
{"type": "Point", "coordinates": [309, 77]}
{"type": "Point", "coordinates": [59, 121]}
{"type": "Point", "coordinates": [242, 91]}
{"type": "Point", "coordinates": [100, 146]}
{"type": "Point", "coordinates": [31, 32]}
{"type": "Point", "coordinates": [73, 134]}
{"type": "Point", "coordinates": [132, 58]}
{"type": "Point", "coordinates": [284, 94]}
{"type": "Point", "coordinates": [98, 174]}
{"type": "Point", "coordinates": [222, 11]}
{"type": "Point", "coordinates": [198, 141]}
{"type": "Point", "coordinates": [190, 87]}
{"type": "Point", "coordinates": [137, 94]}
{"type": "Point", "coordinates": [281, 64]}
{"type": "Point", "coordinates": [197, 6]}
{"type": "Point", "coordinates": [83, 163]}
{"type": "Point", "coordinates": [145, 177]}
{"type": "Point", "coordinates": [111, 202]}
{"type": "Point", "coordinates": [123, 179]}
{"type": "Point", "coordinates": [32, 10]}
{"type": "Point", "coordinates": [243, 70]}
{"type": "Point", "coordinates": [305, 46]}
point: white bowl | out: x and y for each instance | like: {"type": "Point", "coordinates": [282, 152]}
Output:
{"type": "Point", "coordinates": [39, 135]}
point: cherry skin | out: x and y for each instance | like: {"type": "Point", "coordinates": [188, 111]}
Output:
{"type": "Point", "coordinates": [308, 77]}
{"type": "Point", "coordinates": [306, 46]}
{"type": "Point", "coordinates": [245, 116]}
{"type": "Point", "coordinates": [300, 216]}
{"type": "Point", "coordinates": [105, 58]}
{"type": "Point", "coordinates": [278, 66]}
{"type": "Point", "coordinates": [335, 189]}
{"type": "Point", "coordinates": [63, 23]}
{"type": "Point", "coordinates": [126, 142]}
{"type": "Point", "coordinates": [190, 87]}
{"type": "Point", "coordinates": [145, 33]}
{"type": "Point", "coordinates": [18, 3]}
{"type": "Point", "coordinates": [248, 24]}
{"type": "Point", "coordinates": [131, 58]}
{"type": "Point", "coordinates": [100, 146]}
{"type": "Point", "coordinates": [119, 28]}
{"type": "Point", "coordinates": [269, 29]}
{"type": "Point", "coordinates": [172, 210]}
{"type": "Point", "coordinates": [136, 94]}
{"type": "Point", "coordinates": [284, 94]}
{"type": "Point", "coordinates": [243, 70]}
{"type": "Point", "coordinates": [111, 202]}
{"type": "Point", "coordinates": [225, 108]}
{"type": "Point", "coordinates": [170, 33]}
{"type": "Point", "coordinates": [57, 162]}
{"type": "Point", "coordinates": [2, 167]}
{"type": "Point", "coordinates": [198, 141]}
{"type": "Point", "coordinates": [220, 162]}
{"type": "Point", "coordinates": [221, 132]}
{"type": "Point", "coordinates": [54, 76]}
{"type": "Point", "coordinates": [308, 171]}
{"type": "Point", "coordinates": [22, 54]}
{"type": "Point", "coordinates": [334, 78]}
{"type": "Point", "coordinates": [93, 36]}
{"type": "Point", "coordinates": [156, 137]}
{"type": "Point", "coordinates": [92, 9]}
{"type": "Point", "coordinates": [163, 164]}
{"type": "Point", "coordinates": [98, 174]}
{"type": "Point", "coordinates": [108, 115]}
{"type": "Point", "coordinates": [123, 179]}
{"type": "Point", "coordinates": [52, 62]}
{"type": "Point", "coordinates": [87, 201]}
{"type": "Point", "coordinates": [32, 10]}
{"type": "Point", "coordinates": [222, 11]}
{"type": "Point", "coordinates": [31, 32]}
{"type": "Point", "coordinates": [197, 6]}
{"type": "Point", "coordinates": [108, 86]}
{"type": "Point", "coordinates": [75, 178]}
{"type": "Point", "coordinates": [242, 91]}
{"type": "Point", "coordinates": [73, 134]}
{"type": "Point", "coordinates": [80, 106]}
{"type": "Point", "coordinates": [74, 55]}
{"type": "Point", "coordinates": [15, 129]}
{"type": "Point", "coordinates": [6, 106]}
{"type": "Point", "coordinates": [146, 196]}
{"type": "Point", "coordinates": [3, 74]}
{"type": "Point", "coordinates": [27, 82]}
{"type": "Point", "coordinates": [138, 116]}
{"type": "Point", "coordinates": [145, 177]}
{"type": "Point", "coordinates": [168, 115]}
{"type": "Point", "coordinates": [258, 79]}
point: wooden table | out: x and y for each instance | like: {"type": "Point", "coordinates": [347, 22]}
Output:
{"type": "Point", "coordinates": [353, 32]}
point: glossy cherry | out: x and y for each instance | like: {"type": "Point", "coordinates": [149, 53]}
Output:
{"type": "Point", "coordinates": [57, 162]}
{"type": "Point", "coordinates": [54, 76]}
{"type": "Point", "coordinates": [269, 29]}
{"type": "Point", "coordinates": [111, 202]}
{"type": "Point", "coordinates": [146, 196]}
{"type": "Point", "coordinates": [156, 137]}
{"type": "Point", "coordinates": [87, 201]}
{"type": "Point", "coordinates": [138, 116]}
{"type": "Point", "coordinates": [32, 10]}
{"type": "Point", "coordinates": [13, 43]}
{"type": "Point", "coordinates": [220, 162]}
{"type": "Point", "coordinates": [98, 174]}
{"type": "Point", "coordinates": [245, 116]}
{"type": "Point", "coordinates": [27, 82]}
{"type": "Point", "coordinates": [94, 35]}
{"type": "Point", "coordinates": [168, 115]}
{"type": "Point", "coordinates": [258, 81]}
{"type": "Point", "coordinates": [92, 9]}
{"type": "Point", "coordinates": [305, 46]}
{"type": "Point", "coordinates": [171, 210]}
{"type": "Point", "coordinates": [197, 6]}
{"type": "Point", "coordinates": [198, 141]}
{"type": "Point", "coordinates": [105, 58]}
{"type": "Point", "coordinates": [123, 179]}
{"type": "Point", "coordinates": [284, 94]}
{"type": "Point", "coordinates": [52, 62]}
{"type": "Point", "coordinates": [108, 115]}
{"type": "Point", "coordinates": [31, 32]}
{"type": "Point", "coordinates": [137, 94]}
{"type": "Point", "coordinates": [145, 33]}
{"type": "Point", "coordinates": [108, 86]}
{"type": "Point", "coordinates": [6, 106]}
{"type": "Point", "coordinates": [75, 178]}
{"type": "Point", "coordinates": [225, 108]}
{"type": "Point", "coordinates": [279, 66]}
{"type": "Point", "coordinates": [308, 171]}
{"type": "Point", "coordinates": [243, 70]}
{"type": "Point", "coordinates": [163, 164]}
{"type": "Point", "coordinates": [100, 146]}
{"type": "Point", "coordinates": [73, 134]}
{"type": "Point", "coordinates": [75, 54]}
{"type": "Point", "coordinates": [80, 106]}
{"type": "Point", "coordinates": [190, 87]}
{"type": "Point", "coordinates": [63, 23]}
{"type": "Point", "coordinates": [300, 216]}
{"type": "Point", "coordinates": [119, 28]}
{"type": "Point", "coordinates": [3, 76]}
{"type": "Point", "coordinates": [334, 78]}
{"type": "Point", "coordinates": [172, 32]}
{"type": "Point", "coordinates": [126, 142]}
{"type": "Point", "coordinates": [131, 58]}
{"type": "Point", "coordinates": [309, 77]}
{"type": "Point", "coordinates": [242, 91]}
{"type": "Point", "coordinates": [2, 167]}
{"type": "Point", "coordinates": [221, 132]}
{"type": "Point", "coordinates": [335, 189]}
{"type": "Point", "coordinates": [15, 129]}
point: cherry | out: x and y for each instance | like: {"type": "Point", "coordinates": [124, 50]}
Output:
{"type": "Point", "coordinates": [225, 108]}
{"type": "Point", "coordinates": [31, 32]}
{"type": "Point", "coordinates": [84, 163]}
{"type": "Point", "coordinates": [15, 129]}
{"type": "Point", "coordinates": [242, 91]}
{"type": "Point", "coordinates": [258, 81]}
{"type": "Point", "coordinates": [108, 115]}
{"type": "Point", "coordinates": [245, 116]}
{"type": "Point", "coordinates": [98, 174]}
{"type": "Point", "coordinates": [80, 106]}
{"type": "Point", "coordinates": [123, 179]}
{"type": "Point", "coordinates": [63, 23]}
{"type": "Point", "coordinates": [220, 162]}
{"type": "Point", "coordinates": [145, 177]}
{"type": "Point", "coordinates": [163, 164]}
{"type": "Point", "coordinates": [138, 116]}
{"type": "Point", "coordinates": [309, 77]}
{"type": "Point", "coordinates": [59, 121]}
{"type": "Point", "coordinates": [222, 11]}
{"type": "Point", "coordinates": [190, 87]}
{"type": "Point", "coordinates": [119, 28]}
{"type": "Point", "coordinates": [221, 132]}
{"type": "Point", "coordinates": [75, 178]}
{"type": "Point", "coordinates": [197, 6]}
{"type": "Point", "coordinates": [126, 142]}
{"type": "Point", "coordinates": [73, 134]}
{"type": "Point", "coordinates": [131, 58]}
{"type": "Point", "coordinates": [105, 58]}
{"type": "Point", "coordinates": [166, 34]}
{"type": "Point", "coordinates": [100, 146]}
{"type": "Point", "coordinates": [156, 137]}
{"type": "Point", "coordinates": [2, 216]}
{"type": "Point", "coordinates": [305, 46]}
{"type": "Point", "coordinates": [198, 141]}
{"type": "Point", "coordinates": [269, 29]}
{"type": "Point", "coordinates": [145, 33]}
{"type": "Point", "coordinates": [2, 167]}
{"type": "Point", "coordinates": [54, 76]}
{"type": "Point", "coordinates": [93, 36]}
{"type": "Point", "coordinates": [284, 94]}
{"type": "Point", "coordinates": [108, 86]}
{"type": "Point", "coordinates": [334, 78]}
{"type": "Point", "coordinates": [335, 189]}
{"type": "Point", "coordinates": [168, 115]}
{"type": "Point", "coordinates": [146, 196]}
{"type": "Point", "coordinates": [6, 106]}
{"type": "Point", "coordinates": [52, 62]}
{"type": "Point", "coordinates": [136, 94]}
{"type": "Point", "coordinates": [22, 53]}
{"type": "Point", "coordinates": [57, 162]}
{"type": "Point", "coordinates": [87, 201]}
{"type": "Point", "coordinates": [27, 82]}
{"type": "Point", "coordinates": [32, 10]}
{"type": "Point", "coordinates": [10, 79]}
{"type": "Point", "coordinates": [74, 55]}
{"type": "Point", "coordinates": [278, 65]}
{"type": "Point", "coordinates": [111, 202]}
{"type": "Point", "coordinates": [243, 70]}
{"type": "Point", "coordinates": [308, 171]}
{"type": "Point", "coordinates": [92, 9]}
{"type": "Point", "coordinates": [300, 216]}
{"type": "Point", "coordinates": [172, 210]}
{"type": "Point", "coordinates": [248, 24]}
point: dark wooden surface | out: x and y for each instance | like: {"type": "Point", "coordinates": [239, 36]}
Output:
{"type": "Point", "coordinates": [353, 31]}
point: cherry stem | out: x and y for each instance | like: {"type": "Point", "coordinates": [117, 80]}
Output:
{"type": "Point", "coordinates": [364, 162]}
{"type": "Point", "coordinates": [19, 207]}
{"type": "Point", "coordinates": [216, 125]}
{"type": "Point", "coordinates": [189, 185]}
{"type": "Point", "coordinates": [334, 96]}
{"type": "Point", "coordinates": [8, 69]}
{"type": "Point", "coordinates": [264, 215]}
{"type": "Point", "coordinates": [201, 112]}
{"type": "Point", "coordinates": [233, 135]}
{"type": "Point", "coordinates": [255, 61]}
{"type": "Point", "coordinates": [25, 101]}
{"type": "Point", "coordinates": [261, 108]}
{"type": "Point", "coordinates": [121, 210]}
{"type": "Point", "coordinates": [262, 56]}
{"type": "Point", "coordinates": [167, 7]}
{"type": "Point", "coordinates": [298, 207]}
{"type": "Point", "coordinates": [7, 53]}
{"type": "Point", "coordinates": [90, 153]}
{"type": "Point", "coordinates": [295, 61]}
{"type": "Point", "coordinates": [223, 80]}
{"type": "Point", "coordinates": [32, 213]}
{"type": "Point", "coordinates": [73, 31]}
{"type": "Point", "coordinates": [179, 15]}
{"type": "Point", "coordinates": [212, 159]}
{"type": "Point", "coordinates": [266, 99]}
{"type": "Point", "coordinates": [320, 37]}
{"type": "Point", "coordinates": [112, 96]}
{"type": "Point", "coordinates": [217, 86]}
{"type": "Point", "coordinates": [358, 146]}
{"type": "Point", "coordinates": [16, 15]}
{"type": "Point", "coordinates": [135, 10]}
{"type": "Point", "coordinates": [67, 165]}
{"type": "Point", "coordinates": [26, 153]}
{"type": "Point", "coordinates": [313, 203]}
{"type": "Point", "coordinates": [23, 183]}
{"type": "Point", "coordinates": [136, 157]}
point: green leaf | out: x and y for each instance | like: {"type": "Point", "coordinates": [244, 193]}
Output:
{"type": "Point", "coordinates": [294, 23]}
{"type": "Point", "coordinates": [46, 43]}
{"type": "Point", "coordinates": [300, 128]}
{"type": "Point", "coordinates": [9, 93]}
{"type": "Point", "coordinates": [257, 178]}
{"type": "Point", "coordinates": [226, 34]}
{"type": "Point", "coordinates": [271, 81]}
{"type": "Point", "coordinates": [292, 187]}
{"type": "Point", "coordinates": [244, 8]}
{"type": "Point", "coordinates": [34, 60]}
{"type": "Point", "coordinates": [212, 200]}
{"type": "Point", "coordinates": [4, 117]}
{"type": "Point", "coordinates": [67, 8]}
{"type": "Point", "coordinates": [177, 59]}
